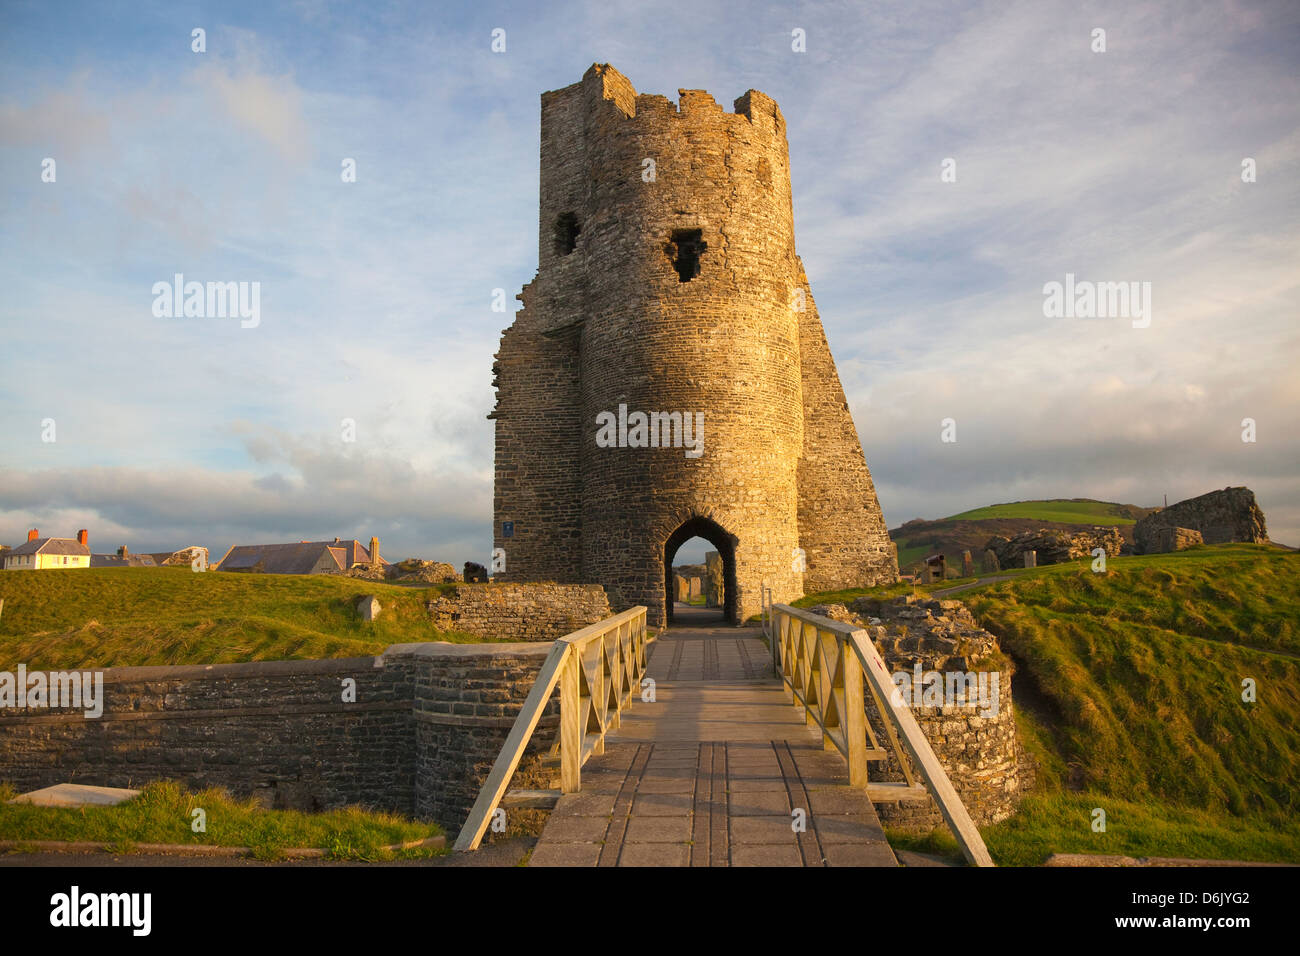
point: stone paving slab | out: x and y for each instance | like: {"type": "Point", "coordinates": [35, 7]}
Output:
{"type": "Point", "coordinates": [76, 795]}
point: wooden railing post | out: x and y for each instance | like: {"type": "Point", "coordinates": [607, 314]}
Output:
{"type": "Point", "coordinates": [499, 777]}
{"type": "Point", "coordinates": [564, 668]}
{"type": "Point", "coordinates": [936, 779]}
{"type": "Point", "coordinates": [854, 717]}
{"type": "Point", "coordinates": [570, 726]}
{"type": "Point", "coordinates": [864, 669]}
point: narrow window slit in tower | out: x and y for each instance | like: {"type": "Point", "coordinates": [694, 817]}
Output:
{"type": "Point", "coordinates": [685, 249]}
{"type": "Point", "coordinates": [566, 233]}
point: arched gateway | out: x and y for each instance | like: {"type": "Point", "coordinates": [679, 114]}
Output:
{"type": "Point", "coordinates": [725, 545]}
{"type": "Point", "coordinates": [669, 365]}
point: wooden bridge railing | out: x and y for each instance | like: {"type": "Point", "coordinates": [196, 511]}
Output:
{"type": "Point", "coordinates": [767, 624]}
{"type": "Point", "coordinates": [598, 670]}
{"type": "Point", "coordinates": [824, 663]}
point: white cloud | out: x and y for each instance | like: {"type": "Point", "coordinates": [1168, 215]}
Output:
{"type": "Point", "coordinates": [375, 294]}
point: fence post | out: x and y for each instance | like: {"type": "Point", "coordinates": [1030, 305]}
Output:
{"type": "Point", "coordinates": [855, 717]}
{"type": "Point", "coordinates": [772, 630]}
{"type": "Point", "coordinates": [570, 726]}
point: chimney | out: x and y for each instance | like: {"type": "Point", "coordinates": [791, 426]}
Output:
{"type": "Point", "coordinates": [374, 550]}
{"type": "Point", "coordinates": [33, 535]}
{"type": "Point", "coordinates": [83, 538]}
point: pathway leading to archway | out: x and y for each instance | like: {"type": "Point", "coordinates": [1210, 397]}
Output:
{"type": "Point", "coordinates": [712, 771]}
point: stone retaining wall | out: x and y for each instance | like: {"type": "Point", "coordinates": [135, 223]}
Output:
{"type": "Point", "coordinates": [465, 700]}
{"type": "Point", "coordinates": [976, 742]}
{"type": "Point", "coordinates": [519, 612]}
{"type": "Point", "coordinates": [277, 730]}
{"type": "Point", "coordinates": [427, 722]}
{"type": "Point", "coordinates": [980, 755]}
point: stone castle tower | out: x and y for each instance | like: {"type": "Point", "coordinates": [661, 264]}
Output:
{"type": "Point", "coordinates": [668, 295]}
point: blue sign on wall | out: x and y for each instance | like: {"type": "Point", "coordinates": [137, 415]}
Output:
{"type": "Point", "coordinates": [507, 529]}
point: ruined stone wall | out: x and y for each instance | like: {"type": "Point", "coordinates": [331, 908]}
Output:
{"type": "Point", "coordinates": [975, 743]}
{"type": "Point", "coordinates": [277, 730]}
{"type": "Point", "coordinates": [538, 452]}
{"type": "Point", "coordinates": [1165, 538]}
{"type": "Point", "coordinates": [841, 527]}
{"type": "Point", "coordinates": [428, 722]}
{"type": "Point", "coordinates": [466, 698]}
{"type": "Point", "coordinates": [713, 583]}
{"type": "Point", "coordinates": [980, 755]}
{"type": "Point", "coordinates": [726, 343]}
{"type": "Point", "coordinates": [518, 612]}
{"type": "Point", "coordinates": [1054, 546]}
{"type": "Point", "coordinates": [1220, 517]}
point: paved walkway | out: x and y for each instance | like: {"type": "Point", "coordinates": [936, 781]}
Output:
{"type": "Point", "coordinates": [712, 772]}
{"type": "Point", "coordinates": [980, 582]}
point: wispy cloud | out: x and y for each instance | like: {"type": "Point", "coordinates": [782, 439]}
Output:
{"type": "Point", "coordinates": [376, 294]}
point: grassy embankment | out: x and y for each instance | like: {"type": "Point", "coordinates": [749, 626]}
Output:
{"type": "Point", "coordinates": [1129, 697]}
{"type": "Point", "coordinates": [104, 617]}
{"type": "Point", "coordinates": [163, 813]}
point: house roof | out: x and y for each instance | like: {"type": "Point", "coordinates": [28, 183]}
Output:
{"type": "Point", "coordinates": [116, 561]}
{"type": "Point", "coordinates": [49, 546]}
{"type": "Point", "coordinates": [298, 558]}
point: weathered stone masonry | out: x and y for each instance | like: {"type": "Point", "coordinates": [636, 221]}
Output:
{"type": "Point", "coordinates": [278, 730]}
{"type": "Point", "coordinates": [466, 698]}
{"type": "Point", "coordinates": [524, 612]}
{"type": "Point", "coordinates": [428, 721]}
{"type": "Point", "coordinates": [1218, 516]}
{"type": "Point", "coordinates": [677, 292]}
{"type": "Point", "coordinates": [977, 745]}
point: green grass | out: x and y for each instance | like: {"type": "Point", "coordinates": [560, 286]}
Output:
{"type": "Point", "coordinates": [1240, 594]}
{"type": "Point", "coordinates": [909, 555]}
{"type": "Point", "coordinates": [1063, 510]}
{"type": "Point", "coordinates": [1062, 823]}
{"type": "Point", "coordinates": [151, 616]}
{"type": "Point", "coordinates": [1142, 669]}
{"type": "Point", "coordinates": [891, 590]}
{"type": "Point", "coordinates": [162, 813]}
{"type": "Point", "coordinates": [1130, 692]}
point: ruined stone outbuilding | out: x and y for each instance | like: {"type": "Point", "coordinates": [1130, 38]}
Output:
{"type": "Point", "coordinates": [668, 376]}
{"type": "Point", "coordinates": [1054, 546]}
{"type": "Point", "coordinates": [1219, 517]}
{"type": "Point", "coordinates": [972, 734]}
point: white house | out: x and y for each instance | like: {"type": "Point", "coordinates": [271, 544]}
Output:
{"type": "Point", "coordinates": [37, 553]}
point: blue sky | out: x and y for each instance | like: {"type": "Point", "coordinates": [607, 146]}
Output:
{"type": "Point", "coordinates": [375, 295]}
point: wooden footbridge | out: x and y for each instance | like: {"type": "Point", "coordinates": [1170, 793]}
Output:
{"type": "Point", "coordinates": [709, 747]}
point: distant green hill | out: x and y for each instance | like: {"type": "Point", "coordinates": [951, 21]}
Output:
{"type": "Point", "coordinates": [1062, 510]}
{"type": "Point", "coordinates": [970, 530]}
{"type": "Point", "coordinates": [148, 616]}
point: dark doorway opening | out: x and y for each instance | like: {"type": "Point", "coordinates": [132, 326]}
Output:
{"type": "Point", "coordinates": [725, 545]}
